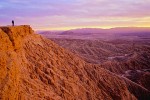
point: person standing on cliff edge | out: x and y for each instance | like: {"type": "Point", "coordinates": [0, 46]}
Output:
{"type": "Point", "coordinates": [12, 22]}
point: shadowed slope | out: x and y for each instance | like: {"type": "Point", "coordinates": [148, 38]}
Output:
{"type": "Point", "coordinates": [117, 56]}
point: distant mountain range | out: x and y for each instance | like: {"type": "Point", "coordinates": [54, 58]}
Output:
{"type": "Point", "coordinates": [100, 33]}
{"type": "Point", "coordinates": [100, 30]}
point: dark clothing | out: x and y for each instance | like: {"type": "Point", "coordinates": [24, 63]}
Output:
{"type": "Point", "coordinates": [12, 23]}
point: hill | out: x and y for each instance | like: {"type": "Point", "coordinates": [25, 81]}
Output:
{"type": "Point", "coordinates": [34, 67]}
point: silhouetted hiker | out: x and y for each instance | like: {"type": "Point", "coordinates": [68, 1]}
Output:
{"type": "Point", "coordinates": [12, 22]}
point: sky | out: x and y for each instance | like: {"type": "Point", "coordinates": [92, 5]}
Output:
{"type": "Point", "coordinates": [71, 14]}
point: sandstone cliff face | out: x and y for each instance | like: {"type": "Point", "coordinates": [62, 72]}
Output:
{"type": "Point", "coordinates": [9, 67]}
{"type": "Point", "coordinates": [32, 67]}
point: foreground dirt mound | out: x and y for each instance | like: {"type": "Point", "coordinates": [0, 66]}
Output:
{"type": "Point", "coordinates": [32, 67]}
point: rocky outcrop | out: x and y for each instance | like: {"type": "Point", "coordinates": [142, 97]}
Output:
{"type": "Point", "coordinates": [34, 67]}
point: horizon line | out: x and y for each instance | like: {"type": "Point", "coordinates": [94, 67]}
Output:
{"type": "Point", "coordinates": [65, 29]}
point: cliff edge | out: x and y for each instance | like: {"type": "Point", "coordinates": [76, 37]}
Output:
{"type": "Point", "coordinates": [34, 67]}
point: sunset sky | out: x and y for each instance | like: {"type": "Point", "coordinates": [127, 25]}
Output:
{"type": "Point", "coordinates": [70, 14]}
